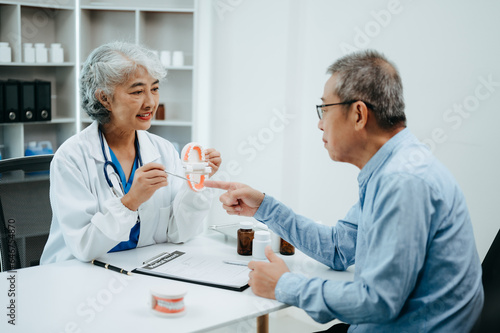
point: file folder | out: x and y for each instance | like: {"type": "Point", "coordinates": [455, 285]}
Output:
{"type": "Point", "coordinates": [11, 102]}
{"type": "Point", "coordinates": [27, 100]}
{"type": "Point", "coordinates": [2, 99]}
{"type": "Point", "coordinates": [43, 107]}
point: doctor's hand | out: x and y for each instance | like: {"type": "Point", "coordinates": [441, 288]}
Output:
{"type": "Point", "coordinates": [214, 160]}
{"type": "Point", "coordinates": [265, 275]}
{"type": "Point", "coordinates": [147, 179]}
{"type": "Point", "coordinates": [240, 199]}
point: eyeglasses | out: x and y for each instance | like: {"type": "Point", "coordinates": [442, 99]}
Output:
{"type": "Point", "coordinates": [320, 111]}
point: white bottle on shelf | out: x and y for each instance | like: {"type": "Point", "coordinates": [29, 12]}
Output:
{"type": "Point", "coordinates": [178, 59]}
{"type": "Point", "coordinates": [41, 54]}
{"type": "Point", "coordinates": [5, 52]}
{"type": "Point", "coordinates": [165, 58]}
{"type": "Point", "coordinates": [56, 53]}
{"type": "Point", "coordinates": [29, 53]}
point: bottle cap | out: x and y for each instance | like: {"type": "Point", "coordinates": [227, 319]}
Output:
{"type": "Point", "coordinates": [5, 44]}
{"type": "Point", "coordinates": [28, 44]}
{"type": "Point", "coordinates": [262, 235]}
{"type": "Point", "coordinates": [246, 225]}
{"type": "Point", "coordinates": [55, 45]}
{"type": "Point", "coordinates": [39, 44]}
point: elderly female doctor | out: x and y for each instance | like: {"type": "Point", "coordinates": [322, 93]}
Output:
{"type": "Point", "coordinates": [109, 190]}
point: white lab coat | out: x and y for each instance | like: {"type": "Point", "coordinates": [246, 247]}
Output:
{"type": "Point", "coordinates": [88, 220]}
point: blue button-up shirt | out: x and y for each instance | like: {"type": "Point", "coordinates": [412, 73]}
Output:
{"type": "Point", "coordinates": [411, 238]}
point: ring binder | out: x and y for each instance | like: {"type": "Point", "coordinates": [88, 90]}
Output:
{"type": "Point", "coordinates": [27, 100]}
{"type": "Point", "coordinates": [11, 102]}
{"type": "Point", "coordinates": [43, 107]}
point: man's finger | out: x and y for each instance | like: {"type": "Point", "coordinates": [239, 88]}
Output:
{"type": "Point", "coordinates": [218, 184]}
{"type": "Point", "coordinates": [271, 256]}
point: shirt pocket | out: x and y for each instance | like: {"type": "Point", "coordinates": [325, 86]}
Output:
{"type": "Point", "coordinates": [163, 223]}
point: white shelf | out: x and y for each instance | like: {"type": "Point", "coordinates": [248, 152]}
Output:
{"type": "Point", "coordinates": [37, 3]}
{"type": "Point", "coordinates": [157, 24]}
{"type": "Point", "coordinates": [179, 123]}
{"type": "Point", "coordinates": [183, 68]}
{"type": "Point", "coordinates": [111, 7]}
{"type": "Point", "coordinates": [48, 64]}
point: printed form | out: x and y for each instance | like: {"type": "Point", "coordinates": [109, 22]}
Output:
{"type": "Point", "coordinates": [197, 269]}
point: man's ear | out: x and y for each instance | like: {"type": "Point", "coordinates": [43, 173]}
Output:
{"type": "Point", "coordinates": [361, 115]}
{"type": "Point", "coordinates": [103, 99]}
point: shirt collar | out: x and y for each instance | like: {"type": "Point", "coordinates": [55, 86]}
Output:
{"type": "Point", "coordinates": [149, 152]}
{"type": "Point", "coordinates": [381, 155]}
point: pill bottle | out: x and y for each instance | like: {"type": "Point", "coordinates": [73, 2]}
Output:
{"type": "Point", "coordinates": [245, 238]}
{"type": "Point", "coordinates": [56, 53]}
{"type": "Point", "coordinates": [29, 52]}
{"type": "Point", "coordinates": [261, 240]}
{"type": "Point", "coordinates": [286, 248]}
{"type": "Point", "coordinates": [5, 52]}
{"type": "Point", "coordinates": [41, 53]}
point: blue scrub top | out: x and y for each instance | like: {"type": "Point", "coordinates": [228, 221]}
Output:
{"type": "Point", "coordinates": [134, 232]}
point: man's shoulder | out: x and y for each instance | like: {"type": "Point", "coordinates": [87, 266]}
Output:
{"type": "Point", "coordinates": [415, 162]}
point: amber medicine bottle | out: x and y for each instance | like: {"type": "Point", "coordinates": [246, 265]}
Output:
{"type": "Point", "coordinates": [245, 238]}
{"type": "Point", "coordinates": [286, 248]}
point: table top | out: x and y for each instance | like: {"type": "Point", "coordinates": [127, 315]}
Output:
{"type": "Point", "coordinates": [78, 297]}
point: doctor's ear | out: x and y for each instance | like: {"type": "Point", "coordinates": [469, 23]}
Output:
{"type": "Point", "coordinates": [101, 96]}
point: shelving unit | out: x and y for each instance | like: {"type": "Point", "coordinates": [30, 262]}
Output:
{"type": "Point", "coordinates": [159, 25]}
{"type": "Point", "coordinates": [81, 26]}
{"type": "Point", "coordinates": [32, 22]}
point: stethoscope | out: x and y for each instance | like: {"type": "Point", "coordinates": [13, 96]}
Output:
{"type": "Point", "coordinates": [108, 163]}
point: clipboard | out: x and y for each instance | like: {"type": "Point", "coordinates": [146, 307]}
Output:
{"type": "Point", "coordinates": [197, 269]}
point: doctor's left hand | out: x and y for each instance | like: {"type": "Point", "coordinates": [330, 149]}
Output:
{"type": "Point", "coordinates": [214, 160]}
{"type": "Point", "coordinates": [147, 179]}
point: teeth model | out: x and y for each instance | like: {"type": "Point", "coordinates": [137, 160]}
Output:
{"type": "Point", "coordinates": [195, 166]}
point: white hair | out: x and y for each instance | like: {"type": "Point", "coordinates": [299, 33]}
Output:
{"type": "Point", "coordinates": [110, 65]}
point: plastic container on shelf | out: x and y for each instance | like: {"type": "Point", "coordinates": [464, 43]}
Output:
{"type": "Point", "coordinates": [38, 148]}
{"type": "Point", "coordinates": [41, 53]}
{"type": "Point", "coordinates": [29, 53]}
{"type": "Point", "coordinates": [165, 58]}
{"type": "Point", "coordinates": [178, 59]}
{"type": "Point", "coordinates": [5, 52]}
{"type": "Point", "coordinates": [56, 53]}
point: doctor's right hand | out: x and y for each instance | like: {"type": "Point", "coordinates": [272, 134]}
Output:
{"type": "Point", "coordinates": [240, 199]}
{"type": "Point", "coordinates": [147, 179]}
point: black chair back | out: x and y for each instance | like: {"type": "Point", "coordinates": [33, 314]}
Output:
{"type": "Point", "coordinates": [489, 321]}
{"type": "Point", "coordinates": [25, 211]}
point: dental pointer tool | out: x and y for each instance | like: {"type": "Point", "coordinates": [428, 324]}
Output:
{"type": "Point", "coordinates": [173, 174]}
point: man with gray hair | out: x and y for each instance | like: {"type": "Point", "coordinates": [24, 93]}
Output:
{"type": "Point", "coordinates": [410, 234]}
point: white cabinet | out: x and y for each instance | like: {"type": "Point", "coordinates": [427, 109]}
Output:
{"type": "Point", "coordinates": [30, 22]}
{"type": "Point", "coordinates": [162, 25]}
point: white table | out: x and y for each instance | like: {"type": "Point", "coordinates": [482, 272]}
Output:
{"type": "Point", "coordinates": [78, 297]}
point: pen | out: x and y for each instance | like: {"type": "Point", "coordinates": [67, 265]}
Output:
{"type": "Point", "coordinates": [110, 267]}
{"type": "Point", "coordinates": [236, 262]}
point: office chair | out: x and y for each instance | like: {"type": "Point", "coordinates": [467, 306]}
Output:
{"type": "Point", "coordinates": [25, 211]}
{"type": "Point", "coordinates": [489, 321]}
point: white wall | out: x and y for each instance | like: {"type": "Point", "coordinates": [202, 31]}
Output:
{"type": "Point", "coordinates": [270, 57]}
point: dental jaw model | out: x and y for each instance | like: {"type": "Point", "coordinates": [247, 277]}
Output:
{"type": "Point", "coordinates": [195, 166]}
